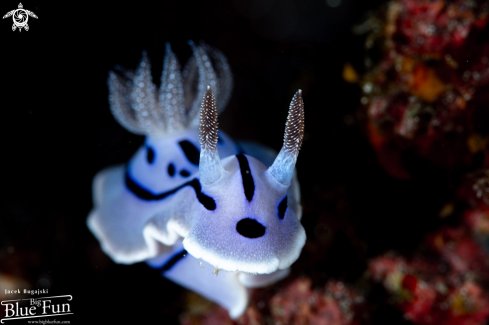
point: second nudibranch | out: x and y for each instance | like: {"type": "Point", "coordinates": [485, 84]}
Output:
{"type": "Point", "coordinates": [214, 215]}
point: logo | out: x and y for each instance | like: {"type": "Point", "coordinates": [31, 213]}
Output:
{"type": "Point", "coordinates": [36, 307]}
{"type": "Point", "coordinates": [20, 17]}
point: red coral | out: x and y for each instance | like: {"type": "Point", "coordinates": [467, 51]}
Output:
{"type": "Point", "coordinates": [461, 251]}
{"type": "Point", "coordinates": [475, 191]}
{"type": "Point", "coordinates": [296, 303]}
{"type": "Point", "coordinates": [430, 87]}
{"type": "Point", "coordinates": [435, 27]}
{"type": "Point", "coordinates": [469, 305]}
{"type": "Point", "coordinates": [427, 296]}
{"type": "Point", "coordinates": [299, 304]}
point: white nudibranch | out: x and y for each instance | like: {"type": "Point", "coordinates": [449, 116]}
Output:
{"type": "Point", "coordinates": [192, 200]}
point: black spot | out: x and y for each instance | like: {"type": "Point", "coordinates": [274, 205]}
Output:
{"type": "Point", "coordinates": [171, 169]}
{"type": "Point", "coordinates": [190, 151]}
{"type": "Point", "coordinates": [150, 155]}
{"type": "Point", "coordinates": [219, 139]}
{"type": "Point", "coordinates": [185, 173]}
{"type": "Point", "coordinates": [173, 260]}
{"type": "Point", "coordinates": [282, 207]}
{"type": "Point", "coordinates": [250, 228]}
{"type": "Point", "coordinates": [248, 184]}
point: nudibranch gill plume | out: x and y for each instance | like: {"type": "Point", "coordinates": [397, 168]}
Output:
{"type": "Point", "coordinates": [191, 200]}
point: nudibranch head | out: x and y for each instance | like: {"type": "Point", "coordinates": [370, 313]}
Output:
{"type": "Point", "coordinates": [244, 223]}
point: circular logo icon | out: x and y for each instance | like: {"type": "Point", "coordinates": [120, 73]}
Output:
{"type": "Point", "coordinates": [20, 17]}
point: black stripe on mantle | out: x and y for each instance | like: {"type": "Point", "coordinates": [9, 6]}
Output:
{"type": "Point", "coordinates": [173, 260]}
{"type": "Point", "coordinates": [208, 202]}
{"type": "Point", "coordinates": [247, 178]}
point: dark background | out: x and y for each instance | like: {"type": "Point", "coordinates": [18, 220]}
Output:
{"type": "Point", "coordinates": [57, 132]}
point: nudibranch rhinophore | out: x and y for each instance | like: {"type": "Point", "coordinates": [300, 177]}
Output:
{"type": "Point", "coordinates": [213, 215]}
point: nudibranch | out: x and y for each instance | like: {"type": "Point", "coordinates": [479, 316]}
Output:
{"type": "Point", "coordinates": [211, 214]}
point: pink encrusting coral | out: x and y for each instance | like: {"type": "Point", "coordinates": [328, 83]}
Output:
{"type": "Point", "coordinates": [298, 303]}
{"type": "Point", "coordinates": [446, 280]}
{"type": "Point", "coordinates": [446, 288]}
{"type": "Point", "coordinates": [295, 303]}
{"type": "Point", "coordinates": [461, 251]}
{"type": "Point", "coordinates": [429, 87]}
{"type": "Point", "coordinates": [475, 191]}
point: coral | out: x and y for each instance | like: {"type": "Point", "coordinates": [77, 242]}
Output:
{"type": "Point", "coordinates": [475, 191]}
{"type": "Point", "coordinates": [295, 303]}
{"type": "Point", "coordinates": [460, 250]}
{"type": "Point", "coordinates": [429, 87]}
{"type": "Point", "coordinates": [445, 288]}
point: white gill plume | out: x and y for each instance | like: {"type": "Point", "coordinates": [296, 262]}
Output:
{"type": "Point", "coordinates": [141, 109]}
{"type": "Point", "coordinates": [170, 96]}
